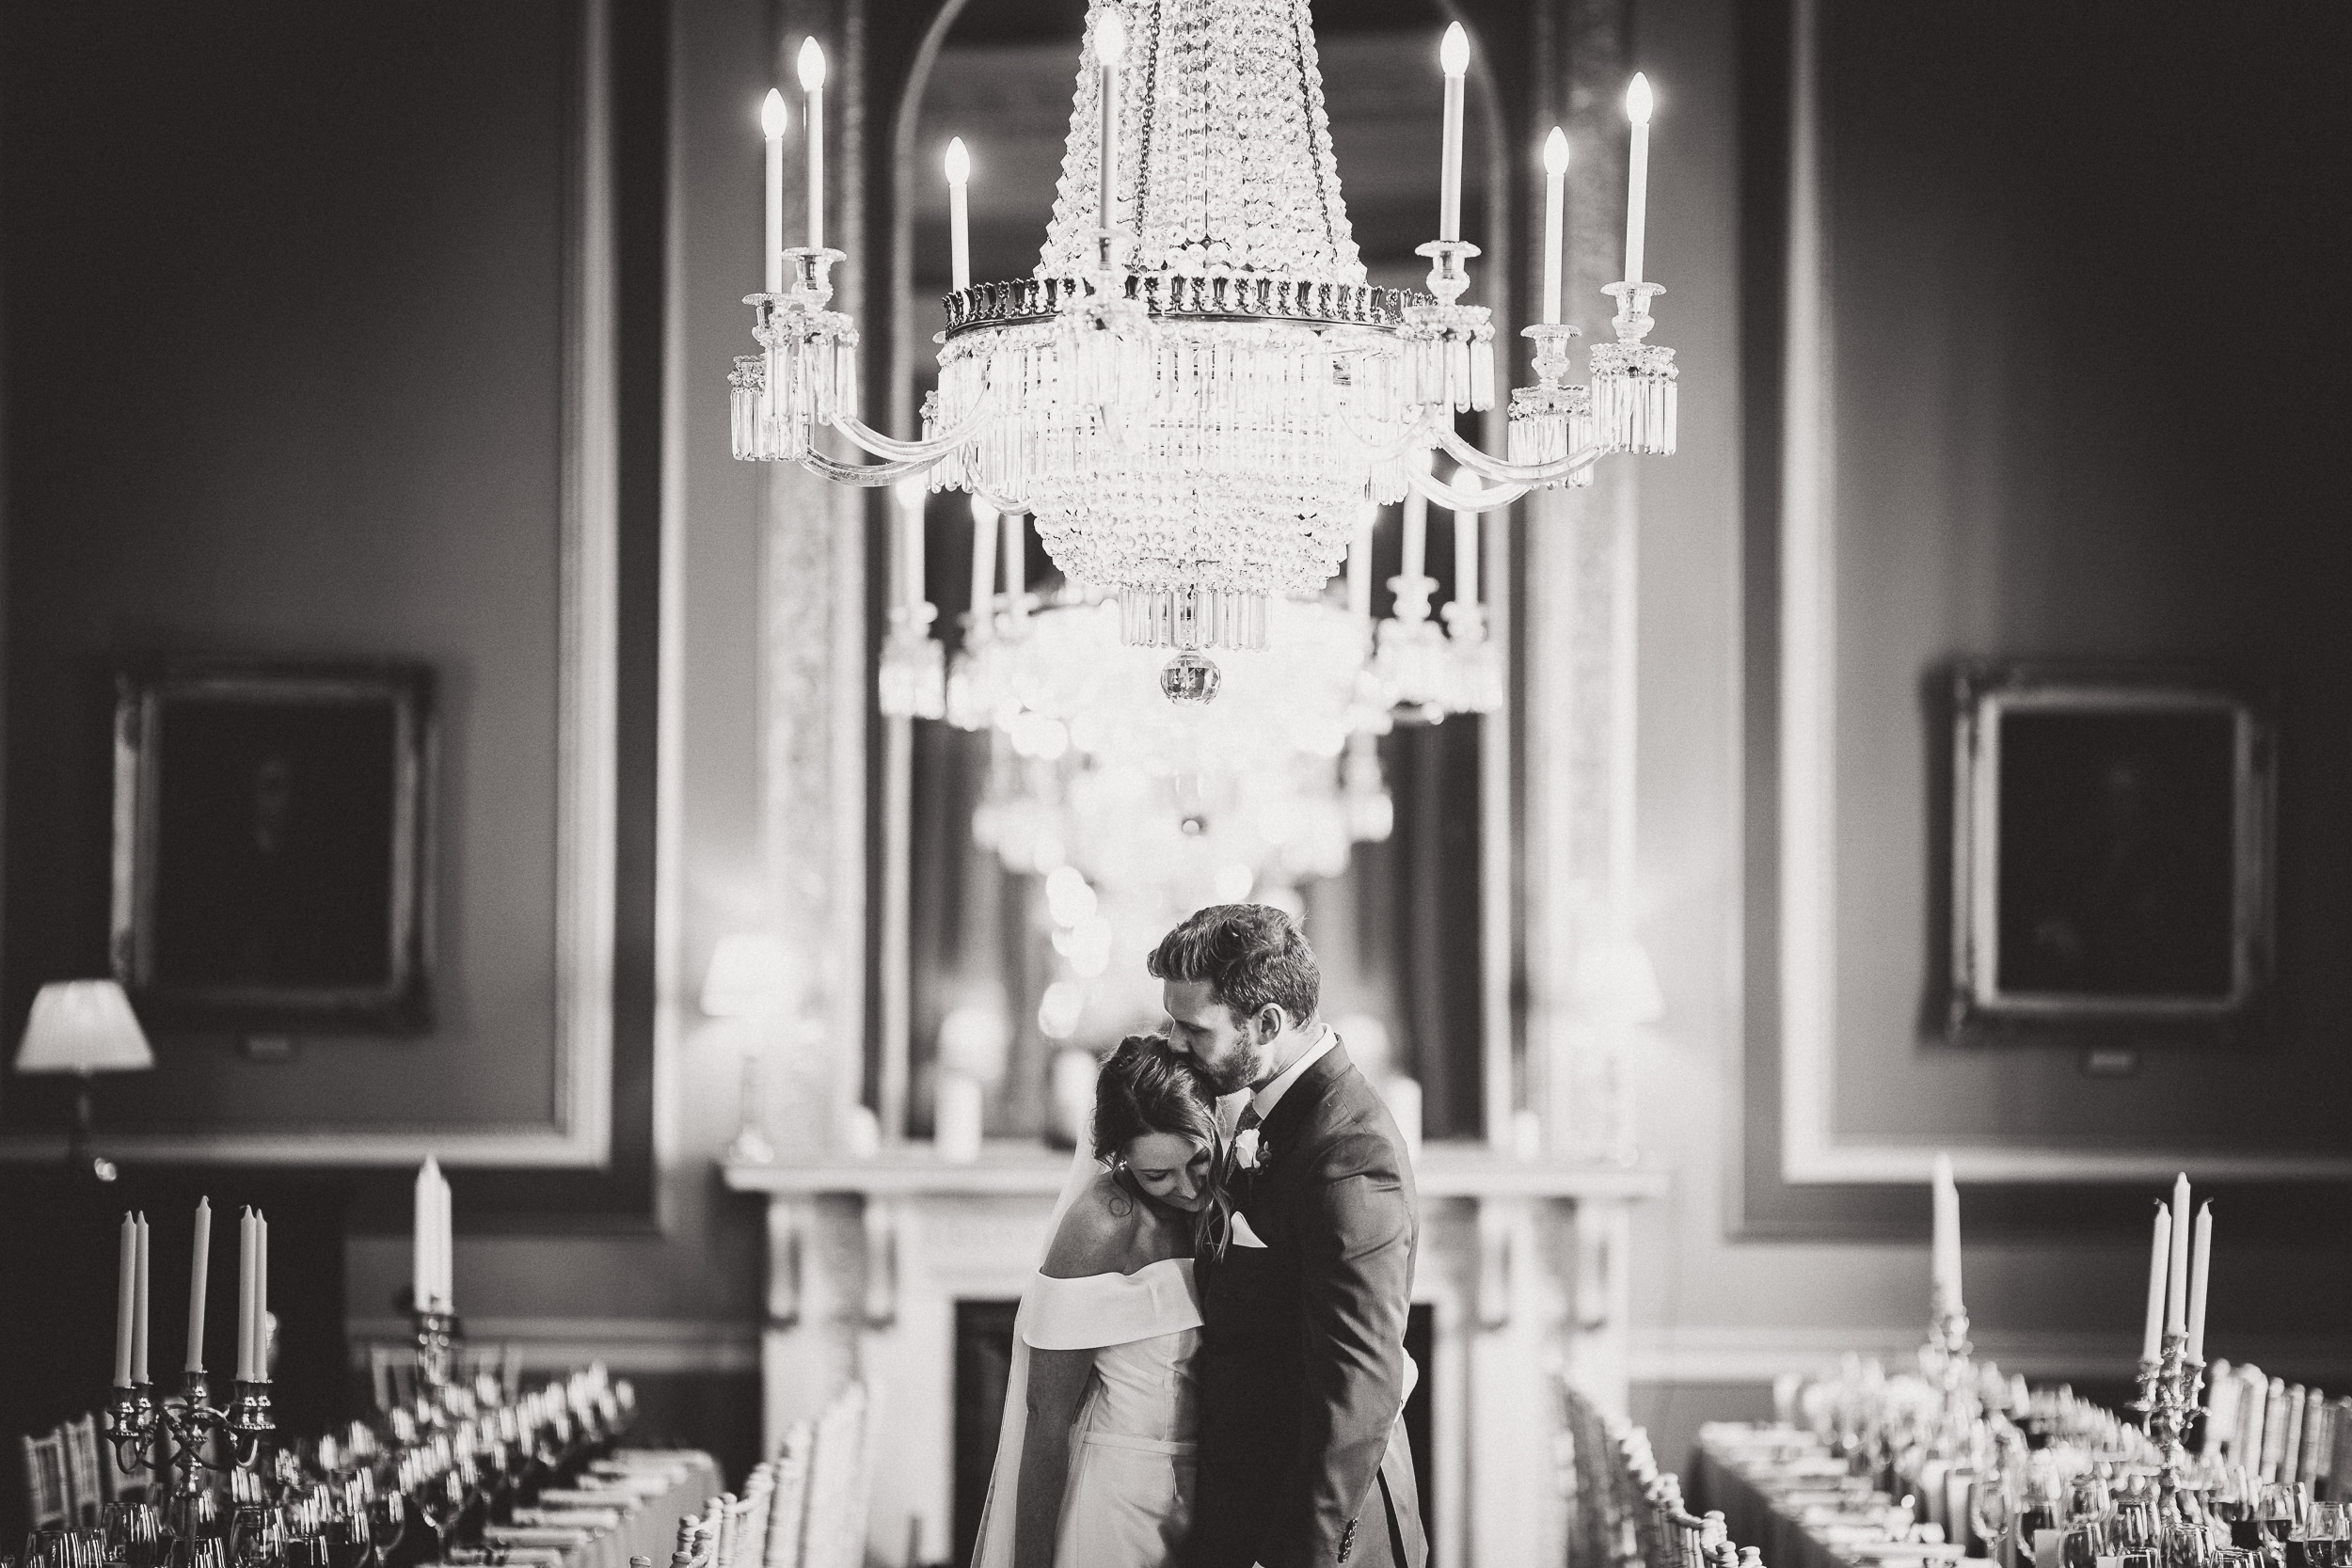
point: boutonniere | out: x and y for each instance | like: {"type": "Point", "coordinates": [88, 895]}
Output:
{"type": "Point", "coordinates": [1248, 1150]}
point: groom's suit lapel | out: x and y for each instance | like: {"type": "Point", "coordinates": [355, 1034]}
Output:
{"type": "Point", "coordinates": [1278, 1136]}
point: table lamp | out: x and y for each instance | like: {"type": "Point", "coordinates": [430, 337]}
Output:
{"type": "Point", "coordinates": [83, 1027]}
{"type": "Point", "coordinates": [751, 975]}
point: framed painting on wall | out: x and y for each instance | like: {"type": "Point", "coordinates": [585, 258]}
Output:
{"type": "Point", "coordinates": [2112, 857]}
{"type": "Point", "coordinates": [273, 866]}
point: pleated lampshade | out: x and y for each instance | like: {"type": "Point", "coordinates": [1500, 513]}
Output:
{"type": "Point", "coordinates": [83, 1026]}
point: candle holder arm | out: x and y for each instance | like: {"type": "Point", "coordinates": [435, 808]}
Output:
{"type": "Point", "coordinates": [1453, 499]}
{"type": "Point", "coordinates": [1524, 476]}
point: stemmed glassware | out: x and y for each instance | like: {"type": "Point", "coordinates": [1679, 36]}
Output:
{"type": "Point", "coordinates": [134, 1533]}
{"type": "Point", "coordinates": [2328, 1535]}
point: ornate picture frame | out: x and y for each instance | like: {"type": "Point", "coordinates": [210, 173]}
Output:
{"type": "Point", "coordinates": [2112, 851]}
{"type": "Point", "coordinates": [273, 845]}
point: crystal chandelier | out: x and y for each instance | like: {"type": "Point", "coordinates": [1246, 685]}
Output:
{"type": "Point", "coordinates": [1197, 390]}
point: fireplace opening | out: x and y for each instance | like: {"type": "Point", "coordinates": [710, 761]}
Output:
{"type": "Point", "coordinates": [983, 1363]}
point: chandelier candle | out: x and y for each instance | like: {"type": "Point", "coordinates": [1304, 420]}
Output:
{"type": "Point", "coordinates": [1360, 566]}
{"type": "Point", "coordinates": [1453, 58]}
{"type": "Point", "coordinates": [959, 215]}
{"type": "Point", "coordinates": [1466, 541]}
{"type": "Point", "coordinates": [1944, 1260]}
{"type": "Point", "coordinates": [1555, 195]}
{"type": "Point", "coordinates": [983, 567]}
{"type": "Point", "coordinates": [912, 493]}
{"type": "Point", "coordinates": [1017, 565]}
{"type": "Point", "coordinates": [771, 121]}
{"type": "Point", "coordinates": [1414, 560]}
{"type": "Point", "coordinates": [1198, 386]}
{"type": "Point", "coordinates": [199, 1268]}
{"type": "Point", "coordinates": [1110, 48]}
{"type": "Point", "coordinates": [1637, 109]}
{"type": "Point", "coordinates": [813, 83]}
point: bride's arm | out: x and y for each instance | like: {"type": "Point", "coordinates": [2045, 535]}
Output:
{"type": "Point", "coordinates": [1089, 1241]}
{"type": "Point", "coordinates": [1058, 1380]}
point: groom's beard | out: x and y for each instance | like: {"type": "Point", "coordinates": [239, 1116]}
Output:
{"type": "Point", "coordinates": [1240, 1067]}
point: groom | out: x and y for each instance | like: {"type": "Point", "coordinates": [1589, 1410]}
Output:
{"type": "Point", "coordinates": [1303, 1462]}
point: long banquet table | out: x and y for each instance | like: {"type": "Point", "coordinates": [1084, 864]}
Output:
{"type": "Point", "coordinates": [1799, 1507]}
{"type": "Point", "coordinates": [629, 1506]}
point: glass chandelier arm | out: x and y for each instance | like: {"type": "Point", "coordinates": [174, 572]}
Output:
{"type": "Point", "coordinates": [924, 453]}
{"type": "Point", "coordinates": [869, 474]}
{"type": "Point", "coordinates": [1527, 476]}
{"type": "Point", "coordinates": [1473, 500]}
{"type": "Point", "coordinates": [1415, 436]}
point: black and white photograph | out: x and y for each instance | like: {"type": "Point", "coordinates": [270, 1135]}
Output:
{"type": "Point", "coordinates": [1174, 783]}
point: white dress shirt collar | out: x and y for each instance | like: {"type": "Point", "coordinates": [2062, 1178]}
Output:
{"type": "Point", "coordinates": [1266, 1099]}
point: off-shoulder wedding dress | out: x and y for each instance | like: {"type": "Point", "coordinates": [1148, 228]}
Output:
{"type": "Point", "coordinates": [1128, 1501]}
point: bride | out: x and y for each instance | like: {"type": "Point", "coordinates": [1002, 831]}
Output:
{"type": "Point", "coordinates": [1095, 1463]}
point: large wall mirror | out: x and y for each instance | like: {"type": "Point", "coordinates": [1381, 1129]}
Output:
{"type": "Point", "coordinates": [1003, 949]}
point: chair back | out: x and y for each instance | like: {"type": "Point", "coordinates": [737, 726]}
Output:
{"type": "Point", "coordinates": [47, 1501]}
{"type": "Point", "coordinates": [788, 1515]}
{"type": "Point", "coordinates": [835, 1533]}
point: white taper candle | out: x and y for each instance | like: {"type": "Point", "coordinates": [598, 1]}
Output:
{"type": "Point", "coordinates": [199, 1276]}
{"type": "Point", "coordinates": [959, 215]}
{"type": "Point", "coordinates": [2160, 1253]}
{"type": "Point", "coordinates": [984, 524]}
{"type": "Point", "coordinates": [246, 1261]}
{"type": "Point", "coordinates": [1017, 564]}
{"type": "Point", "coordinates": [1555, 202]}
{"type": "Point", "coordinates": [812, 65]}
{"type": "Point", "coordinates": [772, 125]}
{"type": "Point", "coordinates": [1110, 49]}
{"type": "Point", "coordinates": [126, 1282]}
{"type": "Point", "coordinates": [1465, 542]}
{"type": "Point", "coordinates": [2200, 1262]}
{"type": "Point", "coordinates": [1454, 59]}
{"type": "Point", "coordinates": [1637, 109]}
{"type": "Point", "coordinates": [138, 1323]}
{"type": "Point", "coordinates": [912, 493]}
{"type": "Point", "coordinates": [2176, 1289]}
{"type": "Point", "coordinates": [1360, 564]}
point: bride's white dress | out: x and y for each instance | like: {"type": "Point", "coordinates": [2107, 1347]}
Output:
{"type": "Point", "coordinates": [1128, 1501]}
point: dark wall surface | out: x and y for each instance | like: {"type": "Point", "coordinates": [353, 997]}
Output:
{"type": "Point", "coordinates": [284, 294]}
{"type": "Point", "coordinates": [2086, 356]}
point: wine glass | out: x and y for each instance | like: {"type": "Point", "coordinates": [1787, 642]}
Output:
{"type": "Point", "coordinates": [256, 1539]}
{"type": "Point", "coordinates": [2278, 1510]}
{"type": "Point", "coordinates": [2328, 1535]}
{"type": "Point", "coordinates": [134, 1533]}
{"type": "Point", "coordinates": [1994, 1505]}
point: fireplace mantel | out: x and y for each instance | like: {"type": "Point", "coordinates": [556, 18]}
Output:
{"type": "Point", "coordinates": [1027, 1169]}
{"type": "Point", "coordinates": [1522, 1262]}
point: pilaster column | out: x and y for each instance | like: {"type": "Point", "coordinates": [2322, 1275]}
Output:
{"type": "Point", "coordinates": [1581, 583]}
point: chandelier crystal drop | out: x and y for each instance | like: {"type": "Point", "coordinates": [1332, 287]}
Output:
{"type": "Point", "coordinates": [1197, 390]}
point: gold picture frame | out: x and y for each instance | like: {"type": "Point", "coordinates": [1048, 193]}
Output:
{"type": "Point", "coordinates": [2112, 856]}
{"type": "Point", "coordinates": [273, 845]}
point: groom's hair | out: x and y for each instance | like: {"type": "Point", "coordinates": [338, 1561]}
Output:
{"type": "Point", "coordinates": [1250, 953]}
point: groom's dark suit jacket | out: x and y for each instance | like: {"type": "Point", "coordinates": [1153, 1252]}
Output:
{"type": "Point", "coordinates": [1303, 1462]}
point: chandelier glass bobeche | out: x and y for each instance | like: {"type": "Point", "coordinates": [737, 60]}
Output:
{"type": "Point", "coordinates": [1197, 392]}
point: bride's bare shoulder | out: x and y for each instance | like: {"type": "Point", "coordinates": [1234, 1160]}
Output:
{"type": "Point", "coordinates": [1096, 1235]}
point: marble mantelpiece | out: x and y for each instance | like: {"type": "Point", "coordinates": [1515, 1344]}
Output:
{"type": "Point", "coordinates": [1522, 1262]}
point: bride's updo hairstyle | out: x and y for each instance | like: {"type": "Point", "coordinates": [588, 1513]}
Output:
{"type": "Point", "coordinates": [1148, 1085]}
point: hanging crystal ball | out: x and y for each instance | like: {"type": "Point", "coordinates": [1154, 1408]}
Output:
{"type": "Point", "coordinates": [1189, 679]}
